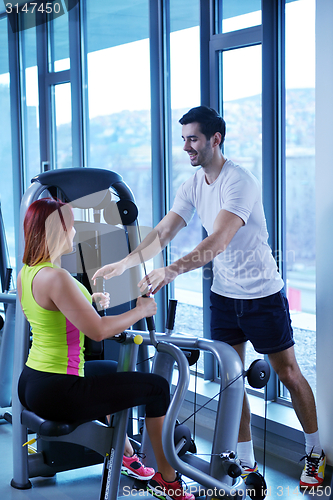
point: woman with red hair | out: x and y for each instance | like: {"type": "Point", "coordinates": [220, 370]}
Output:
{"type": "Point", "coordinates": [54, 383]}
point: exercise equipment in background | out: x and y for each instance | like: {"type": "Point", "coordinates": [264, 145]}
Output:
{"type": "Point", "coordinates": [7, 326]}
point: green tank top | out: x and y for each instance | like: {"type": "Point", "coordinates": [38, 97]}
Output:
{"type": "Point", "coordinates": [57, 345]}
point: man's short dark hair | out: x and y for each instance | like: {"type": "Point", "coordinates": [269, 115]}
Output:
{"type": "Point", "coordinates": [210, 121]}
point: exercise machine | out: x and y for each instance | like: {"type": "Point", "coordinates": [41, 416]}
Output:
{"type": "Point", "coordinates": [7, 325]}
{"type": "Point", "coordinates": [90, 188]}
{"type": "Point", "coordinates": [84, 189]}
{"type": "Point", "coordinates": [221, 476]}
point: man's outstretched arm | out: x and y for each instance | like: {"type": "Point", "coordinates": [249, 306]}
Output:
{"type": "Point", "coordinates": [151, 246]}
{"type": "Point", "coordinates": [226, 226]}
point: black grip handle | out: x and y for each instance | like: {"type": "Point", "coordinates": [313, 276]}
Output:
{"type": "Point", "coordinates": [150, 321]}
{"type": "Point", "coordinates": [150, 324]}
{"type": "Point", "coordinates": [171, 314]}
{"type": "Point", "coordinates": [7, 280]}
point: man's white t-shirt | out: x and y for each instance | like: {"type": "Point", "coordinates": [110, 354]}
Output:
{"type": "Point", "coordinates": [246, 269]}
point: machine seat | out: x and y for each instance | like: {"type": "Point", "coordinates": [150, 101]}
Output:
{"type": "Point", "coordinates": [47, 428]}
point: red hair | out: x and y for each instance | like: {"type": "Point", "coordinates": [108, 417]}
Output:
{"type": "Point", "coordinates": [39, 241]}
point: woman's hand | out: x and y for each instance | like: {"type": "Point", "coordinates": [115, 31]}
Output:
{"type": "Point", "coordinates": [147, 306]}
{"type": "Point", "coordinates": [102, 298]}
{"type": "Point", "coordinates": [110, 271]}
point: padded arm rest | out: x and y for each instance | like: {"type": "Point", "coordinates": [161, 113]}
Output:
{"type": "Point", "coordinates": [44, 427]}
{"type": "Point", "coordinates": [76, 183]}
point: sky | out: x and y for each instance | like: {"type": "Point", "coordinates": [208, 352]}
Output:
{"type": "Point", "coordinates": [119, 77]}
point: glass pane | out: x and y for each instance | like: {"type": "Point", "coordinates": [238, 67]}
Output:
{"type": "Point", "coordinates": [185, 94]}
{"type": "Point", "coordinates": [300, 180]}
{"type": "Point", "coordinates": [30, 104]}
{"type": "Point", "coordinates": [59, 40]}
{"type": "Point", "coordinates": [231, 15]}
{"type": "Point", "coordinates": [63, 125]}
{"type": "Point", "coordinates": [119, 95]}
{"type": "Point", "coordinates": [242, 88]}
{"type": "Point", "coordinates": [6, 184]}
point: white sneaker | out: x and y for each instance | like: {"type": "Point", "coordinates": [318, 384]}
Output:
{"type": "Point", "coordinates": [314, 470]}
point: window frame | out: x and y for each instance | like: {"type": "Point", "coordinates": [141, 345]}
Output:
{"type": "Point", "coordinates": [270, 35]}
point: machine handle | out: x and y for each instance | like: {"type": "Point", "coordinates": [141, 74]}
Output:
{"type": "Point", "coordinates": [171, 314]}
{"type": "Point", "coordinates": [7, 280]}
{"type": "Point", "coordinates": [151, 327]}
{"type": "Point", "coordinates": [122, 338]}
{"type": "Point", "coordinates": [150, 324]}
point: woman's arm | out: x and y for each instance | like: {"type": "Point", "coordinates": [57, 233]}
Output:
{"type": "Point", "coordinates": [62, 290]}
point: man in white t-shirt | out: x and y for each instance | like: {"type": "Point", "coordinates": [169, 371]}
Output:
{"type": "Point", "coordinates": [247, 295]}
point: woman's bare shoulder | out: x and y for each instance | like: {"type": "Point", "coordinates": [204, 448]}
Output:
{"type": "Point", "coordinates": [53, 274]}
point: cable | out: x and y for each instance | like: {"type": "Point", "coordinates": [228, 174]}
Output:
{"type": "Point", "coordinates": [144, 360]}
{"type": "Point", "coordinates": [195, 398]}
{"type": "Point", "coordinates": [265, 429]}
{"type": "Point", "coordinates": [211, 399]}
{"type": "Point", "coordinates": [219, 393]}
{"type": "Point", "coordinates": [149, 285]}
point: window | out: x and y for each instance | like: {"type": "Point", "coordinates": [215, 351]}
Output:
{"type": "Point", "coordinates": [239, 75]}
{"type": "Point", "coordinates": [118, 77]}
{"type": "Point", "coordinates": [238, 90]}
{"type": "Point", "coordinates": [59, 41]}
{"type": "Point", "coordinates": [185, 94]}
{"type": "Point", "coordinates": [61, 94]}
{"type": "Point", "coordinates": [6, 185]}
{"type": "Point", "coordinates": [237, 15]}
{"type": "Point", "coordinates": [300, 181]}
{"type": "Point", "coordinates": [241, 83]}
{"type": "Point", "coordinates": [242, 110]}
{"type": "Point", "coordinates": [30, 103]}
{"type": "Point", "coordinates": [119, 95]}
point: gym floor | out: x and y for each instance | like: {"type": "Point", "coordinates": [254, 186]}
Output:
{"type": "Point", "coordinates": [281, 477]}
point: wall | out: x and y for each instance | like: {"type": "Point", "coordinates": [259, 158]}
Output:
{"type": "Point", "coordinates": [324, 220]}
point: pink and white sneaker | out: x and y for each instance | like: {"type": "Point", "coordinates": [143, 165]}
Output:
{"type": "Point", "coordinates": [132, 467]}
{"type": "Point", "coordinates": [168, 491]}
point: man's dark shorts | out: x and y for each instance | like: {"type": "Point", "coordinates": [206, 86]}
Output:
{"type": "Point", "coordinates": [265, 322]}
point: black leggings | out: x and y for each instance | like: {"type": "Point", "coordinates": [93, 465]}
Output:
{"type": "Point", "coordinates": [100, 392]}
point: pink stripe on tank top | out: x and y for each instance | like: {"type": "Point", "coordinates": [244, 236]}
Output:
{"type": "Point", "coordinates": [73, 343]}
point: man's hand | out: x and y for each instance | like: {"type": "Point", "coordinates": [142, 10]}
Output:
{"type": "Point", "coordinates": [102, 298]}
{"type": "Point", "coordinates": [157, 279]}
{"type": "Point", "coordinates": [110, 271]}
